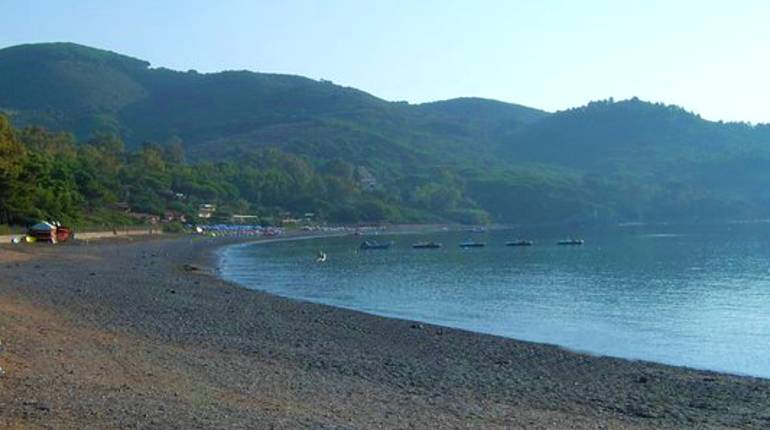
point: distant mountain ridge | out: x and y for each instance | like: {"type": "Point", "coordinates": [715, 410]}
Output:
{"type": "Point", "coordinates": [628, 159]}
{"type": "Point", "coordinates": [71, 87]}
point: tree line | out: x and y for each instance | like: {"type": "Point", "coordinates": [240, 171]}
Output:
{"type": "Point", "coordinates": [50, 175]}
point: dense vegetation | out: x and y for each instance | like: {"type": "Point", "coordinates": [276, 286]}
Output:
{"type": "Point", "coordinates": [47, 175]}
{"type": "Point", "coordinates": [272, 144]}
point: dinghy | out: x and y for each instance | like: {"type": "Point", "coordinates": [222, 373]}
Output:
{"type": "Point", "coordinates": [571, 242]}
{"type": "Point", "coordinates": [520, 243]}
{"type": "Point", "coordinates": [373, 244]}
{"type": "Point", "coordinates": [426, 245]}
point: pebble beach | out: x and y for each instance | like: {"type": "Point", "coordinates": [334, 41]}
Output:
{"type": "Point", "coordinates": [139, 332]}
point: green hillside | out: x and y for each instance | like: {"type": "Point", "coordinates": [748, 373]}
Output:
{"type": "Point", "coordinates": [465, 159]}
{"type": "Point", "coordinates": [68, 87]}
{"type": "Point", "coordinates": [679, 164]}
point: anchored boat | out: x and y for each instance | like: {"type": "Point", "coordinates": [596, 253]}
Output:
{"type": "Point", "coordinates": [571, 242]}
{"type": "Point", "coordinates": [426, 245]}
{"type": "Point", "coordinates": [472, 244]}
{"type": "Point", "coordinates": [520, 242]}
{"type": "Point", "coordinates": [373, 244]}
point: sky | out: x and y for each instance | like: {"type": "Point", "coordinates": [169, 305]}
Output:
{"type": "Point", "coordinates": [711, 57]}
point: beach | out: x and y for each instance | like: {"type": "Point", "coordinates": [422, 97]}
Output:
{"type": "Point", "coordinates": [139, 332]}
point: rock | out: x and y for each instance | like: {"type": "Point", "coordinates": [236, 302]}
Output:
{"type": "Point", "coordinates": [38, 406]}
{"type": "Point", "coordinates": [701, 405]}
{"type": "Point", "coordinates": [2, 346]}
{"type": "Point", "coordinates": [2, 372]}
{"type": "Point", "coordinates": [642, 411]}
{"type": "Point", "coordinates": [172, 291]}
{"type": "Point", "coordinates": [642, 379]}
{"type": "Point", "coordinates": [92, 274]}
{"type": "Point", "coordinates": [418, 326]}
{"type": "Point", "coordinates": [190, 268]}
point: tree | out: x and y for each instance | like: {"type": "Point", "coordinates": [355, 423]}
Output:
{"type": "Point", "coordinates": [11, 159]}
{"type": "Point", "coordinates": [173, 152]}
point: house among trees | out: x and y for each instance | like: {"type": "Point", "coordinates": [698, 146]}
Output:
{"type": "Point", "coordinates": [244, 219]}
{"type": "Point", "coordinates": [144, 217]}
{"type": "Point", "coordinates": [121, 206]}
{"type": "Point", "coordinates": [171, 216]}
{"type": "Point", "coordinates": [365, 179]}
{"type": "Point", "coordinates": [290, 221]}
{"type": "Point", "coordinates": [206, 210]}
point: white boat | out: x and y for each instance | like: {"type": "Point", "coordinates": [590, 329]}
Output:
{"type": "Point", "coordinates": [472, 244]}
{"type": "Point", "coordinates": [571, 242]}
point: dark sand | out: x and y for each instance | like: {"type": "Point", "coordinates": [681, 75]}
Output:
{"type": "Point", "coordinates": [121, 335]}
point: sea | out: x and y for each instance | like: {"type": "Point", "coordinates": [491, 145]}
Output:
{"type": "Point", "coordinates": [685, 295]}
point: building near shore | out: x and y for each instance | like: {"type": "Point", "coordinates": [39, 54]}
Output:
{"type": "Point", "coordinates": [206, 210]}
{"type": "Point", "coordinates": [244, 219]}
{"type": "Point", "coordinates": [365, 179]}
{"type": "Point", "coordinates": [171, 216]}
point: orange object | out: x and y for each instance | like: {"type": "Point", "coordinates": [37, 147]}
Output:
{"type": "Point", "coordinates": [63, 234]}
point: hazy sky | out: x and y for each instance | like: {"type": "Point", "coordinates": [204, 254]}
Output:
{"type": "Point", "coordinates": [712, 57]}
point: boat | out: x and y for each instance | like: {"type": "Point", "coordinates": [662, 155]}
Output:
{"type": "Point", "coordinates": [571, 242]}
{"type": "Point", "coordinates": [472, 244]}
{"type": "Point", "coordinates": [373, 244]}
{"type": "Point", "coordinates": [520, 242]}
{"type": "Point", "coordinates": [426, 245]}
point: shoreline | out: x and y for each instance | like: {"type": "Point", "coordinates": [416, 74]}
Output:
{"type": "Point", "coordinates": [217, 257]}
{"type": "Point", "coordinates": [97, 235]}
{"type": "Point", "coordinates": [117, 335]}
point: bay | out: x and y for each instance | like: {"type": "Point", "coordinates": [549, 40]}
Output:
{"type": "Point", "coordinates": [689, 295]}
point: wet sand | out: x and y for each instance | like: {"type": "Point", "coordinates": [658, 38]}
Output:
{"type": "Point", "coordinates": [140, 334]}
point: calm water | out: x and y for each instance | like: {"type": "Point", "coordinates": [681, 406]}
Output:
{"type": "Point", "coordinates": [683, 295]}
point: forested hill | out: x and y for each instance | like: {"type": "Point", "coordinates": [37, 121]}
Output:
{"type": "Point", "coordinates": [85, 90]}
{"type": "Point", "coordinates": [464, 159]}
{"type": "Point", "coordinates": [632, 134]}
